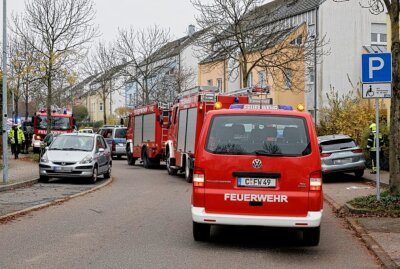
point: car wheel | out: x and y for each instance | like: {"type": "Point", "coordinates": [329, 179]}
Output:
{"type": "Point", "coordinates": [43, 179]}
{"type": "Point", "coordinates": [171, 171]}
{"type": "Point", "coordinates": [188, 171]}
{"type": "Point", "coordinates": [107, 175]}
{"type": "Point", "coordinates": [311, 236]}
{"type": "Point", "coordinates": [359, 173]}
{"type": "Point", "coordinates": [93, 179]}
{"type": "Point", "coordinates": [201, 231]}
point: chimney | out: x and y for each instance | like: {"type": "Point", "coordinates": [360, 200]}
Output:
{"type": "Point", "coordinates": [191, 30]}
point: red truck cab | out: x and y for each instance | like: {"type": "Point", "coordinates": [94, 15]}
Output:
{"type": "Point", "coordinates": [258, 167]}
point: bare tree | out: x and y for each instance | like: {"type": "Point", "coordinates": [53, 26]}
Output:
{"type": "Point", "coordinates": [59, 31]}
{"type": "Point", "coordinates": [393, 9]}
{"type": "Point", "coordinates": [246, 36]}
{"type": "Point", "coordinates": [103, 63]}
{"type": "Point", "coordinates": [144, 50]}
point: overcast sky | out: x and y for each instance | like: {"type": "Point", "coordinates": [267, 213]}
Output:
{"type": "Point", "coordinates": [111, 14]}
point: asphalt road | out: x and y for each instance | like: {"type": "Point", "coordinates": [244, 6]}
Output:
{"type": "Point", "coordinates": [142, 220]}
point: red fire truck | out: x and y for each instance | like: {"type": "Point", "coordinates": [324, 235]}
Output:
{"type": "Point", "coordinates": [60, 123]}
{"type": "Point", "coordinates": [186, 121]}
{"type": "Point", "coordinates": [146, 135]}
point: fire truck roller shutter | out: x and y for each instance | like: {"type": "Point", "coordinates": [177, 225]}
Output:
{"type": "Point", "coordinates": [191, 130]}
{"type": "Point", "coordinates": [149, 127]}
{"type": "Point", "coordinates": [182, 129]}
{"type": "Point", "coordinates": [137, 132]}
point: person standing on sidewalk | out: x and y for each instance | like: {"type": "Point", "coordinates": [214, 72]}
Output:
{"type": "Point", "coordinates": [371, 146]}
{"type": "Point", "coordinates": [17, 138]}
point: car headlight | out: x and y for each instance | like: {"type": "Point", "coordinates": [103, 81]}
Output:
{"type": "Point", "coordinates": [44, 159]}
{"type": "Point", "coordinates": [87, 159]}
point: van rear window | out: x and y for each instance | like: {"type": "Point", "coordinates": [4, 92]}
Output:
{"type": "Point", "coordinates": [266, 135]}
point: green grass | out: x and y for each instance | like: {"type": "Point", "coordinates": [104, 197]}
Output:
{"type": "Point", "coordinates": [34, 157]}
{"type": "Point", "coordinates": [388, 203]}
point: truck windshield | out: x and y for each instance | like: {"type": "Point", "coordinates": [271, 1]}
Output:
{"type": "Point", "coordinates": [57, 123]}
{"type": "Point", "coordinates": [265, 135]}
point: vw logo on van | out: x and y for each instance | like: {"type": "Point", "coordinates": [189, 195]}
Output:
{"type": "Point", "coordinates": [257, 163]}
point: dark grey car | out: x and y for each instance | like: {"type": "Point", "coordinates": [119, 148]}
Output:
{"type": "Point", "coordinates": [340, 153]}
{"type": "Point", "coordinates": [76, 155]}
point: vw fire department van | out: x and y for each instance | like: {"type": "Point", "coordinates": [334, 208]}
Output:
{"type": "Point", "coordinates": [258, 167]}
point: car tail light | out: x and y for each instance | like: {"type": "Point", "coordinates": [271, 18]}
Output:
{"type": "Point", "coordinates": [113, 145]}
{"type": "Point", "coordinates": [324, 155]}
{"type": "Point", "coordinates": [198, 177]}
{"type": "Point", "coordinates": [316, 181]}
{"type": "Point", "coordinates": [357, 151]}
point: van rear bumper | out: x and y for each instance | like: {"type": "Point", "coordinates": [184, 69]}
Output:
{"type": "Point", "coordinates": [313, 219]}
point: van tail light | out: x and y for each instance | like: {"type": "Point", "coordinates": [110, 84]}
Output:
{"type": "Point", "coordinates": [324, 155]}
{"type": "Point", "coordinates": [198, 177]}
{"type": "Point", "coordinates": [113, 145]}
{"type": "Point", "coordinates": [357, 151]}
{"type": "Point", "coordinates": [316, 181]}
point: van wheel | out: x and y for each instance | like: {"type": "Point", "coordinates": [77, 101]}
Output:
{"type": "Point", "coordinates": [311, 236]}
{"type": "Point", "coordinates": [43, 179]}
{"type": "Point", "coordinates": [201, 231]}
{"type": "Point", "coordinates": [107, 175]}
{"type": "Point", "coordinates": [359, 173]}
{"type": "Point", "coordinates": [93, 179]}
{"type": "Point", "coordinates": [171, 171]}
{"type": "Point", "coordinates": [188, 171]}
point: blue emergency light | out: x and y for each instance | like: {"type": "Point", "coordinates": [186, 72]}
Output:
{"type": "Point", "coordinates": [258, 106]}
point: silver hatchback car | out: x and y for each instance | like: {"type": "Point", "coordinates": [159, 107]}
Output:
{"type": "Point", "coordinates": [340, 153]}
{"type": "Point", "coordinates": [76, 155]}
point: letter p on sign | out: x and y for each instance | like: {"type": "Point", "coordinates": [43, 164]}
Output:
{"type": "Point", "coordinates": [377, 68]}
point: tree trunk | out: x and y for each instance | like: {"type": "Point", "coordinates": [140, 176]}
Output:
{"type": "Point", "coordinates": [104, 105]}
{"type": "Point", "coordinates": [26, 101]}
{"type": "Point", "coordinates": [394, 149]}
{"type": "Point", "coordinates": [49, 98]}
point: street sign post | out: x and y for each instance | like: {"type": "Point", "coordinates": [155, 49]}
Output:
{"type": "Point", "coordinates": [376, 83]}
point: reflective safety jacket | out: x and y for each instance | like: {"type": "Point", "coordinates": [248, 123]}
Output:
{"type": "Point", "coordinates": [20, 136]}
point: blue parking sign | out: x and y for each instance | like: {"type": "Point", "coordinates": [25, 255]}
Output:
{"type": "Point", "coordinates": [376, 68]}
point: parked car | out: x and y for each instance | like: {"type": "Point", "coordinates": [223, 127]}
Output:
{"type": "Point", "coordinates": [86, 130]}
{"type": "Point", "coordinates": [76, 155]}
{"type": "Point", "coordinates": [116, 139]}
{"type": "Point", "coordinates": [340, 153]}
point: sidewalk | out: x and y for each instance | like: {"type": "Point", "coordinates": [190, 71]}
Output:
{"type": "Point", "coordinates": [380, 234]}
{"type": "Point", "coordinates": [21, 172]}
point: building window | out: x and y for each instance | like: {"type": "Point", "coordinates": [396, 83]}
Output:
{"type": "Point", "coordinates": [250, 79]}
{"type": "Point", "coordinates": [297, 41]}
{"type": "Point", "coordinates": [311, 75]}
{"type": "Point", "coordinates": [262, 79]}
{"type": "Point", "coordinates": [287, 78]}
{"type": "Point", "coordinates": [101, 107]}
{"type": "Point", "coordinates": [219, 84]}
{"type": "Point", "coordinates": [378, 34]}
{"type": "Point", "coordinates": [209, 82]}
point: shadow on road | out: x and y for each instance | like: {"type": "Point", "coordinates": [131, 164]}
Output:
{"type": "Point", "coordinates": [341, 178]}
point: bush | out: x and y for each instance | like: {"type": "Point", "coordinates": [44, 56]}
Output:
{"type": "Point", "coordinates": [95, 125]}
{"type": "Point", "coordinates": [351, 115]}
{"type": "Point", "coordinates": [388, 203]}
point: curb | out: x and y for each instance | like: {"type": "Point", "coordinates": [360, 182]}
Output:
{"type": "Point", "coordinates": [22, 184]}
{"type": "Point", "coordinates": [14, 215]}
{"type": "Point", "coordinates": [371, 244]}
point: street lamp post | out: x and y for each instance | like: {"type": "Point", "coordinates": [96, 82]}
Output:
{"type": "Point", "coordinates": [5, 116]}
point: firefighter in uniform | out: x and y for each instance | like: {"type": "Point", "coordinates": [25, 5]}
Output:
{"type": "Point", "coordinates": [371, 146]}
{"type": "Point", "coordinates": [16, 137]}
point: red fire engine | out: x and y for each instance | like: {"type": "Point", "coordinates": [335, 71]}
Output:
{"type": "Point", "coordinates": [146, 135]}
{"type": "Point", "coordinates": [60, 123]}
{"type": "Point", "coordinates": [186, 121]}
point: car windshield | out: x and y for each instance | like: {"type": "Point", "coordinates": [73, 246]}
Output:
{"type": "Point", "coordinates": [75, 143]}
{"type": "Point", "coordinates": [338, 144]}
{"type": "Point", "coordinates": [57, 123]}
{"type": "Point", "coordinates": [265, 135]}
{"type": "Point", "coordinates": [120, 133]}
